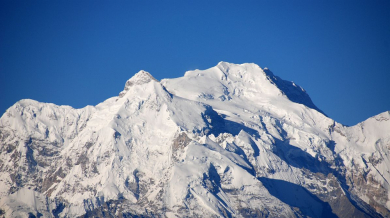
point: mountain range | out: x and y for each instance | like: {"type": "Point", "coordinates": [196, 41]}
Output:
{"type": "Point", "coordinates": [233, 140]}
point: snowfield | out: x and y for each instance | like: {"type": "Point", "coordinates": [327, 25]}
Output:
{"type": "Point", "coordinates": [230, 141]}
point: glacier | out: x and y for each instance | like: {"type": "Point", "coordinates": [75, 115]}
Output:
{"type": "Point", "coordinates": [233, 140]}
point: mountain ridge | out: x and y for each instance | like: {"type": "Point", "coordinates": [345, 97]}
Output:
{"type": "Point", "coordinates": [222, 142]}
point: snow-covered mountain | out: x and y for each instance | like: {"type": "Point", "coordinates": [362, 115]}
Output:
{"type": "Point", "coordinates": [229, 141]}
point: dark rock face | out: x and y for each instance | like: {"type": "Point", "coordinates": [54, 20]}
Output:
{"type": "Point", "coordinates": [179, 144]}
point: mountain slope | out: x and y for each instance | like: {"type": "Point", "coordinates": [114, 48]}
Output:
{"type": "Point", "coordinates": [229, 141]}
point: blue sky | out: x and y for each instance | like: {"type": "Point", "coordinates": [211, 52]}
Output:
{"type": "Point", "coordinates": [81, 53]}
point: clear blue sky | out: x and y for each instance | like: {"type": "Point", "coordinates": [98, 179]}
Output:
{"type": "Point", "coordinates": [81, 53]}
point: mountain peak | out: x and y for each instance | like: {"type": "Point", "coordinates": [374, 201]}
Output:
{"type": "Point", "coordinates": [229, 80]}
{"type": "Point", "coordinates": [139, 78]}
{"type": "Point", "coordinates": [227, 141]}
